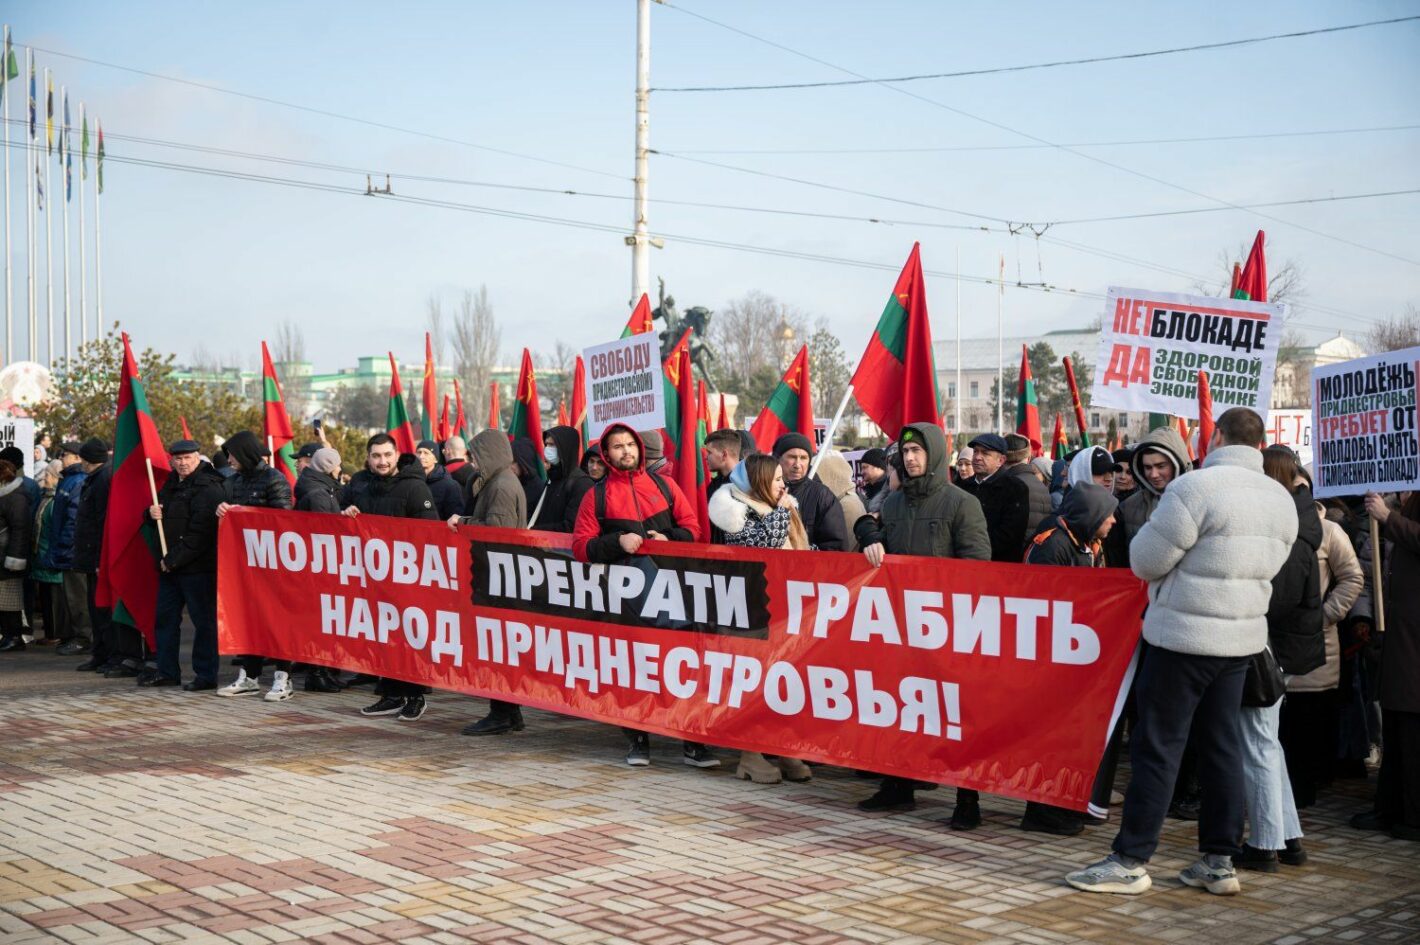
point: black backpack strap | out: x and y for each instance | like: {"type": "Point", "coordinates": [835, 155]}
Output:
{"type": "Point", "coordinates": [600, 490]}
{"type": "Point", "coordinates": [665, 491]}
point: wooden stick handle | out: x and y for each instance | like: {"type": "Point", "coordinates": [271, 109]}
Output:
{"type": "Point", "coordinates": [153, 488]}
{"type": "Point", "coordinates": [1377, 595]}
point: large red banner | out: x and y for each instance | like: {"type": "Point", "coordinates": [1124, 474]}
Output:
{"type": "Point", "coordinates": [1004, 678]}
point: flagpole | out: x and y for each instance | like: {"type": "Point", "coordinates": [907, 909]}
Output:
{"type": "Point", "coordinates": [98, 258]}
{"type": "Point", "coordinates": [68, 184]}
{"type": "Point", "coordinates": [832, 428]}
{"type": "Point", "coordinates": [83, 268]}
{"type": "Point", "coordinates": [1000, 349]}
{"type": "Point", "coordinates": [956, 401]}
{"type": "Point", "coordinates": [9, 279]}
{"type": "Point", "coordinates": [153, 488]}
{"type": "Point", "coordinates": [49, 222]}
{"type": "Point", "coordinates": [30, 177]}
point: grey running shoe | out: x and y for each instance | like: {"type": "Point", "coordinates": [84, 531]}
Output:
{"type": "Point", "coordinates": [1218, 880]}
{"type": "Point", "coordinates": [1111, 876]}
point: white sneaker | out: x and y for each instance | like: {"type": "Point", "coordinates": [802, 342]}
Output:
{"type": "Point", "coordinates": [243, 685]}
{"type": "Point", "coordinates": [280, 688]}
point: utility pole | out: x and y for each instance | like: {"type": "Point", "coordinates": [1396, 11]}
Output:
{"type": "Point", "coordinates": [639, 241]}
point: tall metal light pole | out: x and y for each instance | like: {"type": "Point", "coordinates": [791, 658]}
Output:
{"type": "Point", "coordinates": [639, 241]}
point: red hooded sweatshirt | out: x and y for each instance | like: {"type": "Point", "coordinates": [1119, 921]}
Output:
{"type": "Point", "coordinates": [635, 503]}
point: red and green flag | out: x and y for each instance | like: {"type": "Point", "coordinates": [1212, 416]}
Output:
{"type": "Point", "coordinates": [526, 420]}
{"type": "Point", "coordinates": [689, 439]}
{"type": "Point", "coordinates": [275, 424]}
{"type": "Point", "coordinates": [670, 382]}
{"type": "Point", "coordinates": [790, 408]}
{"type": "Point", "coordinates": [896, 380]}
{"type": "Point", "coordinates": [429, 415]}
{"type": "Point", "coordinates": [128, 562]}
{"type": "Point", "coordinates": [1027, 407]}
{"type": "Point", "coordinates": [397, 422]}
{"type": "Point", "coordinates": [495, 412]}
{"type": "Point", "coordinates": [579, 406]}
{"type": "Point", "coordinates": [704, 410]}
{"type": "Point", "coordinates": [640, 321]}
{"type": "Point", "coordinates": [1059, 445]}
{"type": "Point", "coordinates": [722, 422]}
{"type": "Point", "coordinates": [1075, 402]}
{"type": "Point", "coordinates": [460, 427]}
{"type": "Point", "coordinates": [444, 420]}
{"type": "Point", "coordinates": [1252, 282]}
{"type": "Point", "coordinates": [562, 419]}
{"type": "Point", "coordinates": [1205, 414]}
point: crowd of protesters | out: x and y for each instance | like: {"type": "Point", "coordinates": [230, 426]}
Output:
{"type": "Point", "coordinates": [1253, 585]}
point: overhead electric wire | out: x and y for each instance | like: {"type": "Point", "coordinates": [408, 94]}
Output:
{"type": "Point", "coordinates": [1117, 57]}
{"type": "Point", "coordinates": [322, 187]}
{"type": "Point", "coordinates": [327, 113]}
{"type": "Point", "coordinates": [1032, 137]}
{"type": "Point", "coordinates": [951, 149]}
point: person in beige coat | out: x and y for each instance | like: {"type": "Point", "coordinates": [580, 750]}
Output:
{"type": "Point", "coordinates": [835, 473]}
{"type": "Point", "coordinates": [1311, 713]}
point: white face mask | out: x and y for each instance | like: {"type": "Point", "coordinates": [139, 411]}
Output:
{"type": "Point", "coordinates": [549, 453]}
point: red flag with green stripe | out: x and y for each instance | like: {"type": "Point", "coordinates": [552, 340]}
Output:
{"type": "Point", "coordinates": [1252, 281]}
{"type": "Point", "coordinates": [1059, 445]}
{"type": "Point", "coordinates": [1027, 408]}
{"type": "Point", "coordinates": [689, 439]}
{"type": "Point", "coordinates": [275, 424]}
{"type": "Point", "coordinates": [429, 418]}
{"type": "Point", "coordinates": [128, 561]}
{"type": "Point", "coordinates": [579, 406]}
{"type": "Point", "coordinates": [896, 380]}
{"type": "Point", "coordinates": [640, 321]}
{"type": "Point", "coordinates": [527, 420]}
{"type": "Point", "coordinates": [789, 409]}
{"type": "Point", "coordinates": [670, 381]}
{"type": "Point", "coordinates": [397, 415]}
{"type": "Point", "coordinates": [460, 428]}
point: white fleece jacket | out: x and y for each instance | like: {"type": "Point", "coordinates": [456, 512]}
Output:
{"type": "Point", "coordinates": [1210, 551]}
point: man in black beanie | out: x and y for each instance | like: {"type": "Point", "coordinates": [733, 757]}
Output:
{"type": "Point", "coordinates": [818, 508]}
{"type": "Point", "coordinates": [873, 470]}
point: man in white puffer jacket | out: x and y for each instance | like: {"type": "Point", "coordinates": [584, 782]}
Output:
{"type": "Point", "coordinates": [1209, 553]}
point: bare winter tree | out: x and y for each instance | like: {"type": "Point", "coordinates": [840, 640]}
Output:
{"type": "Point", "coordinates": [476, 340]}
{"type": "Point", "coordinates": [1400, 331]}
{"type": "Point", "coordinates": [290, 351]}
{"type": "Point", "coordinates": [1285, 283]}
{"type": "Point", "coordinates": [750, 335]}
{"type": "Point", "coordinates": [554, 374]}
{"type": "Point", "coordinates": [435, 327]}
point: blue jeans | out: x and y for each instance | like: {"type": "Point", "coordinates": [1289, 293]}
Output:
{"type": "Point", "coordinates": [1270, 806]}
{"type": "Point", "coordinates": [198, 592]}
{"type": "Point", "coordinates": [1177, 693]}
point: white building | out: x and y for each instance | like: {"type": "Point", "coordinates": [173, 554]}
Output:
{"type": "Point", "coordinates": [1292, 385]}
{"type": "Point", "coordinates": [978, 375]}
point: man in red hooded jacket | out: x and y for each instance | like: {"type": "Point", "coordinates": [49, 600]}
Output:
{"type": "Point", "coordinates": [623, 511]}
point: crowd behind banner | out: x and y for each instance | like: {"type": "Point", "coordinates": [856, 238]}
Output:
{"type": "Point", "coordinates": [1226, 635]}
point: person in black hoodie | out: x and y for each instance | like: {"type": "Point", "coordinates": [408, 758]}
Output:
{"type": "Point", "coordinates": [1075, 538]}
{"type": "Point", "coordinates": [567, 483]}
{"type": "Point", "coordinates": [118, 648]}
{"type": "Point", "coordinates": [448, 497]}
{"type": "Point", "coordinates": [528, 462]}
{"type": "Point", "coordinates": [187, 510]}
{"type": "Point", "coordinates": [818, 507]}
{"type": "Point", "coordinates": [385, 488]}
{"type": "Point", "coordinates": [1296, 636]}
{"type": "Point", "coordinates": [254, 484]}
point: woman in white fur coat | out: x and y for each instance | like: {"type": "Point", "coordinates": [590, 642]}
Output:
{"type": "Point", "coordinates": [754, 509]}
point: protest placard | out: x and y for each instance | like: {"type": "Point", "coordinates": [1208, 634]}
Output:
{"type": "Point", "coordinates": [1293, 429]}
{"type": "Point", "coordinates": [624, 385]}
{"type": "Point", "coordinates": [1153, 344]}
{"type": "Point", "coordinates": [19, 432]}
{"type": "Point", "coordinates": [1364, 425]}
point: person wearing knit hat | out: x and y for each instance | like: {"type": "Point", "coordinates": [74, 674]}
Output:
{"type": "Point", "coordinates": [1018, 464]}
{"type": "Point", "coordinates": [318, 490]}
{"type": "Point", "coordinates": [187, 575]}
{"type": "Point", "coordinates": [818, 507]}
{"type": "Point", "coordinates": [94, 450]}
{"type": "Point", "coordinates": [448, 497]}
{"type": "Point", "coordinates": [655, 448]}
{"type": "Point", "coordinates": [962, 470]}
{"type": "Point", "coordinates": [873, 471]}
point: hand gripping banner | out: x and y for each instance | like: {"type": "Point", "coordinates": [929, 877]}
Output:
{"type": "Point", "coordinates": [1000, 677]}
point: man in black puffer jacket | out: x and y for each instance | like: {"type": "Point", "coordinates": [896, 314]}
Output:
{"type": "Point", "coordinates": [255, 484]}
{"type": "Point", "coordinates": [448, 495]}
{"type": "Point", "coordinates": [187, 511]}
{"type": "Point", "coordinates": [382, 488]}
{"type": "Point", "coordinates": [818, 507]}
{"type": "Point", "coordinates": [118, 648]}
{"type": "Point", "coordinates": [1018, 465]}
{"type": "Point", "coordinates": [317, 489]}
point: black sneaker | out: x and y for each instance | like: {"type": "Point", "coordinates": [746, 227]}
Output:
{"type": "Point", "coordinates": [1370, 820]}
{"type": "Point", "coordinates": [1043, 818]}
{"type": "Point", "coordinates": [72, 647]}
{"type": "Point", "coordinates": [698, 756]}
{"type": "Point", "coordinates": [494, 723]}
{"type": "Point", "coordinates": [388, 705]}
{"type": "Point", "coordinates": [199, 685]}
{"type": "Point", "coordinates": [320, 680]}
{"type": "Point", "coordinates": [639, 754]}
{"type": "Point", "coordinates": [124, 670]}
{"type": "Point", "coordinates": [1261, 861]}
{"type": "Point", "coordinates": [12, 644]}
{"type": "Point", "coordinates": [413, 709]}
{"type": "Point", "coordinates": [359, 679]}
{"type": "Point", "coordinates": [1294, 855]}
{"type": "Point", "coordinates": [889, 798]}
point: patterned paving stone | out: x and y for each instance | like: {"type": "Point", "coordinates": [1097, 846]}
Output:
{"type": "Point", "coordinates": [138, 816]}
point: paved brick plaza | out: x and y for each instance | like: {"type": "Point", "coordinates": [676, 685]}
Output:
{"type": "Point", "coordinates": [135, 815]}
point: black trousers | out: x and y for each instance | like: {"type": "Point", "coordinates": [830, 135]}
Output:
{"type": "Point", "coordinates": [113, 642]}
{"type": "Point", "coordinates": [1310, 732]}
{"type": "Point", "coordinates": [1398, 790]}
{"type": "Point", "coordinates": [253, 664]}
{"type": "Point", "coordinates": [399, 689]}
{"type": "Point", "coordinates": [49, 599]}
{"type": "Point", "coordinates": [1178, 693]}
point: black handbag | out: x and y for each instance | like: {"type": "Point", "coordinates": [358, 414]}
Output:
{"type": "Point", "coordinates": [1265, 684]}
